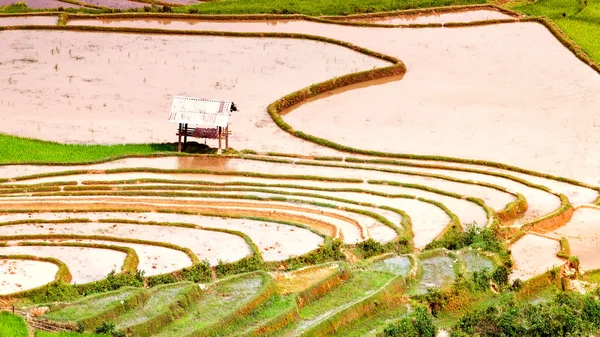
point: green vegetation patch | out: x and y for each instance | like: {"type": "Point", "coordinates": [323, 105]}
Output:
{"type": "Point", "coordinates": [567, 314]}
{"type": "Point", "coordinates": [316, 7]}
{"type": "Point", "coordinates": [362, 284]}
{"type": "Point", "coordinates": [580, 20]}
{"type": "Point", "coordinates": [26, 150]}
{"type": "Point", "coordinates": [12, 325]}
{"type": "Point", "coordinates": [90, 306]}
{"type": "Point", "coordinates": [222, 299]}
{"type": "Point", "coordinates": [370, 325]}
{"type": "Point", "coordinates": [261, 316]}
{"type": "Point", "coordinates": [68, 334]}
{"type": "Point", "coordinates": [160, 299]}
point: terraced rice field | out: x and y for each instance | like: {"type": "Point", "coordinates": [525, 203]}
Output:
{"type": "Point", "coordinates": [288, 237]}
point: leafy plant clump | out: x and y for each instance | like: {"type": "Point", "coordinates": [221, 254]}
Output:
{"type": "Point", "coordinates": [567, 314]}
{"type": "Point", "coordinates": [473, 236]}
{"type": "Point", "coordinates": [418, 324]}
{"type": "Point", "coordinates": [330, 250]}
{"type": "Point", "coordinates": [369, 248]}
{"type": "Point", "coordinates": [109, 328]}
{"type": "Point", "coordinates": [58, 292]}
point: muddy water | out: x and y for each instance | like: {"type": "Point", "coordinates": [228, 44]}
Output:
{"type": "Point", "coordinates": [40, 3]}
{"type": "Point", "coordinates": [85, 264]}
{"type": "Point", "coordinates": [153, 260]}
{"type": "Point", "coordinates": [475, 261]}
{"type": "Point", "coordinates": [213, 246]}
{"type": "Point", "coordinates": [398, 265]}
{"type": "Point", "coordinates": [534, 255]}
{"type": "Point", "coordinates": [462, 86]}
{"type": "Point", "coordinates": [276, 242]}
{"type": "Point", "coordinates": [19, 275]}
{"type": "Point", "coordinates": [467, 16]}
{"type": "Point", "coordinates": [583, 233]}
{"type": "Point", "coordinates": [28, 20]}
{"type": "Point", "coordinates": [438, 271]}
{"type": "Point", "coordinates": [115, 88]}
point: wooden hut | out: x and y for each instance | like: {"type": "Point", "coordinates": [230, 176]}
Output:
{"type": "Point", "coordinates": [201, 118]}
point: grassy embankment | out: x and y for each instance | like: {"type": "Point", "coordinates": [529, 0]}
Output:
{"type": "Point", "coordinates": [308, 7]}
{"type": "Point", "coordinates": [579, 19]}
{"type": "Point", "coordinates": [26, 150]}
{"type": "Point", "coordinates": [12, 325]}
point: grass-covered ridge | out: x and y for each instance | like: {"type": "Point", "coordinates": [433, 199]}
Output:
{"type": "Point", "coordinates": [12, 325]}
{"type": "Point", "coordinates": [308, 7]}
{"type": "Point", "coordinates": [318, 7]}
{"type": "Point", "coordinates": [580, 20]}
{"type": "Point", "coordinates": [26, 150]}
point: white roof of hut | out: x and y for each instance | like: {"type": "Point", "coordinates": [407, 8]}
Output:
{"type": "Point", "coordinates": [200, 111]}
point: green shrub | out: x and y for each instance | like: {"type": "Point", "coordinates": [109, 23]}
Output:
{"type": "Point", "coordinates": [567, 314]}
{"type": "Point", "coordinates": [247, 264]}
{"type": "Point", "coordinates": [473, 236]}
{"type": "Point", "coordinates": [113, 281]}
{"type": "Point", "coordinates": [418, 324]}
{"type": "Point", "coordinates": [369, 248]}
{"type": "Point", "coordinates": [500, 275]}
{"type": "Point", "coordinates": [199, 272]}
{"type": "Point", "coordinates": [109, 328]}
{"type": "Point", "coordinates": [56, 292]}
{"type": "Point", "coordinates": [481, 279]}
{"type": "Point", "coordinates": [330, 250]}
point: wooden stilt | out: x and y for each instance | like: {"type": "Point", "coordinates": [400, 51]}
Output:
{"type": "Point", "coordinates": [227, 137]}
{"type": "Point", "coordinates": [219, 131]}
{"type": "Point", "coordinates": [185, 137]}
{"type": "Point", "coordinates": [179, 139]}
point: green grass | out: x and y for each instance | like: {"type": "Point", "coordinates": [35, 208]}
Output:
{"type": "Point", "coordinates": [275, 306]}
{"type": "Point", "coordinates": [222, 300]}
{"type": "Point", "coordinates": [68, 334]}
{"type": "Point", "coordinates": [361, 284]}
{"type": "Point", "coordinates": [89, 306]}
{"type": "Point", "coordinates": [582, 24]}
{"type": "Point", "coordinates": [161, 298]}
{"type": "Point", "coordinates": [372, 324]}
{"type": "Point", "coordinates": [12, 325]}
{"type": "Point", "coordinates": [25, 150]}
{"type": "Point", "coordinates": [317, 7]}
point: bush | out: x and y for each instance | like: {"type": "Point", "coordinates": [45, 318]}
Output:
{"type": "Point", "coordinates": [369, 248]}
{"type": "Point", "coordinates": [473, 236]}
{"type": "Point", "coordinates": [193, 11]}
{"type": "Point", "coordinates": [481, 279]}
{"type": "Point", "coordinates": [500, 275]}
{"type": "Point", "coordinates": [109, 328]}
{"type": "Point", "coordinates": [567, 314]}
{"type": "Point", "coordinates": [166, 9]}
{"type": "Point", "coordinates": [244, 265]}
{"type": "Point", "coordinates": [330, 250]}
{"type": "Point", "coordinates": [418, 324]}
{"type": "Point", "coordinates": [56, 292]}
